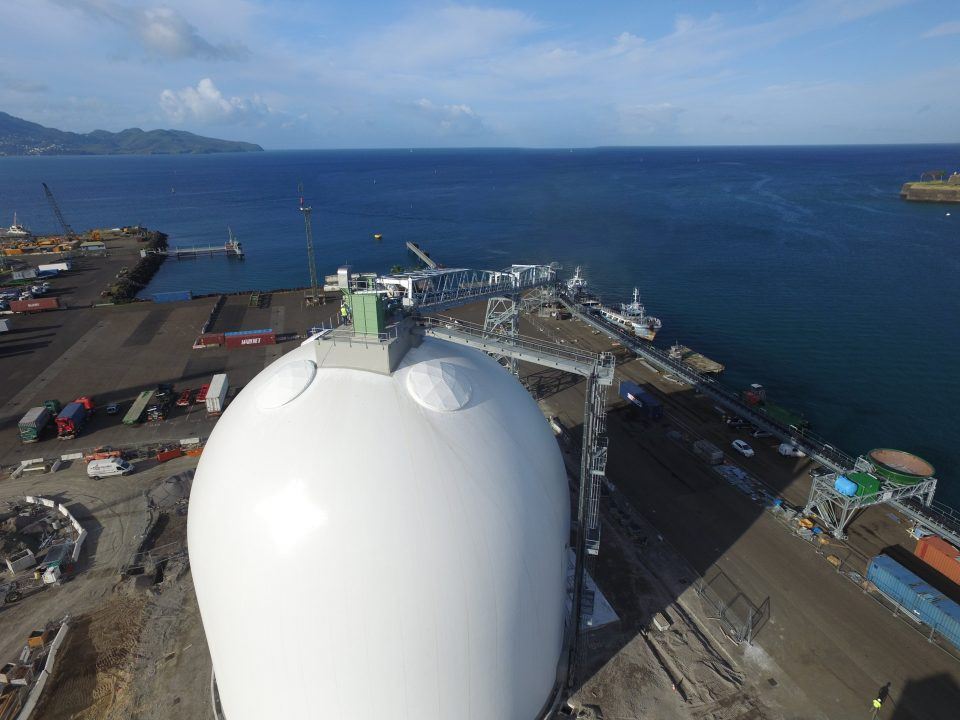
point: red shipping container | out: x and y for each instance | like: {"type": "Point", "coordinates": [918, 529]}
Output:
{"type": "Point", "coordinates": [940, 555]}
{"type": "Point", "coordinates": [169, 455]}
{"type": "Point", "coordinates": [238, 341]}
{"type": "Point", "coordinates": [35, 305]}
{"type": "Point", "coordinates": [210, 339]}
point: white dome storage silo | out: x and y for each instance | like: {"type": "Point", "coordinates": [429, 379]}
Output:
{"type": "Point", "coordinates": [369, 545]}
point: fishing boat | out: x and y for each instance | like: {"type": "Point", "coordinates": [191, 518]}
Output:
{"type": "Point", "coordinates": [633, 317]}
{"type": "Point", "coordinates": [16, 230]}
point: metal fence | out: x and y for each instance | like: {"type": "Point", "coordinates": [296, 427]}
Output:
{"type": "Point", "coordinates": [726, 603]}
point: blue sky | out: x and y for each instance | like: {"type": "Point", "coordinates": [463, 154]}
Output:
{"type": "Point", "coordinates": [300, 74]}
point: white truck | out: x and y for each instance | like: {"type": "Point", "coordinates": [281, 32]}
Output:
{"type": "Point", "coordinates": [217, 394]}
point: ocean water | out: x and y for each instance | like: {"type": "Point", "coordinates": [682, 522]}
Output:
{"type": "Point", "coordinates": [799, 268]}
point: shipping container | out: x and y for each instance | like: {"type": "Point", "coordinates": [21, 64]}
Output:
{"type": "Point", "coordinates": [166, 455]}
{"type": "Point", "coordinates": [70, 420]}
{"type": "Point", "coordinates": [174, 296]}
{"type": "Point", "coordinates": [216, 397]}
{"type": "Point", "coordinates": [940, 555]}
{"type": "Point", "coordinates": [916, 597]}
{"type": "Point", "coordinates": [646, 403]}
{"type": "Point", "coordinates": [33, 423]}
{"type": "Point", "coordinates": [251, 339]}
{"type": "Point", "coordinates": [35, 305]}
{"type": "Point", "coordinates": [26, 274]}
{"type": "Point", "coordinates": [62, 266]}
{"type": "Point", "coordinates": [708, 451]}
{"type": "Point", "coordinates": [4, 326]}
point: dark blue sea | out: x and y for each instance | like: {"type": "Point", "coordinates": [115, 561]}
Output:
{"type": "Point", "coordinates": [799, 268]}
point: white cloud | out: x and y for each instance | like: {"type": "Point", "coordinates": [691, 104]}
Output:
{"type": "Point", "coordinates": [205, 104]}
{"type": "Point", "coordinates": [450, 119]}
{"type": "Point", "coordinates": [161, 31]}
{"type": "Point", "coordinates": [947, 28]}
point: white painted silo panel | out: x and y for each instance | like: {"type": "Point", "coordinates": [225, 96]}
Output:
{"type": "Point", "coordinates": [367, 546]}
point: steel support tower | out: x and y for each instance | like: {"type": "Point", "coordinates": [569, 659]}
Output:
{"type": "Point", "coordinates": [503, 318]}
{"type": "Point", "coordinates": [836, 510]}
{"type": "Point", "coordinates": [598, 370]}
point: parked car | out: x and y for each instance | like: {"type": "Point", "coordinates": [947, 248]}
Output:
{"type": "Point", "coordinates": [790, 450]}
{"type": "Point", "coordinates": [164, 391]}
{"type": "Point", "coordinates": [158, 411]}
{"type": "Point", "coordinates": [742, 447]}
{"type": "Point", "coordinates": [202, 395]}
{"type": "Point", "coordinates": [113, 408]}
{"type": "Point", "coordinates": [185, 399]}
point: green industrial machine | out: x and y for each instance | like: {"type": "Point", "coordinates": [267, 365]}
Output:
{"type": "Point", "coordinates": [368, 312]}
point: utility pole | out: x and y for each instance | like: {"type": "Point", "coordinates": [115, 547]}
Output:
{"type": "Point", "coordinates": [314, 297]}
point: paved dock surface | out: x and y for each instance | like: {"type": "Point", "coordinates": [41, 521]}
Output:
{"type": "Point", "coordinates": [823, 649]}
{"type": "Point", "coordinates": [826, 647]}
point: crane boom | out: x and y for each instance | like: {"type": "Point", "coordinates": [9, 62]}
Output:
{"type": "Point", "coordinates": [67, 230]}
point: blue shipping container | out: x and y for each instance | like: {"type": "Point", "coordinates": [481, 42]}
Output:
{"type": "Point", "coordinates": [174, 296]}
{"type": "Point", "coordinates": [74, 411]}
{"type": "Point", "coordinates": [923, 601]}
{"type": "Point", "coordinates": [641, 399]}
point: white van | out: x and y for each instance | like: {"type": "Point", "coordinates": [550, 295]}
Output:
{"type": "Point", "coordinates": [790, 450]}
{"type": "Point", "coordinates": [111, 466]}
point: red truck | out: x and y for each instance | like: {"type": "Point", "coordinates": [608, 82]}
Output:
{"type": "Point", "coordinates": [71, 420]}
{"type": "Point", "coordinates": [87, 403]}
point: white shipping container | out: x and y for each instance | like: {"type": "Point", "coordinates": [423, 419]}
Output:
{"type": "Point", "coordinates": [217, 394]}
{"type": "Point", "coordinates": [62, 266]}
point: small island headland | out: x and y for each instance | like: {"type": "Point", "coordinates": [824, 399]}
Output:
{"type": "Point", "coordinates": [933, 186]}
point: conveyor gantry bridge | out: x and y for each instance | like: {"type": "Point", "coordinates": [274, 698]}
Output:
{"type": "Point", "coordinates": [836, 510]}
{"type": "Point", "coordinates": [439, 289]}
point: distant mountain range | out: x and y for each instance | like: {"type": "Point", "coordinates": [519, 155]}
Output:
{"type": "Point", "coordinates": [21, 137]}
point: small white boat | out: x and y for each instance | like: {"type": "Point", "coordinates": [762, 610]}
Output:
{"type": "Point", "coordinates": [17, 230]}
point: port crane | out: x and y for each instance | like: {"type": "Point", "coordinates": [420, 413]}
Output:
{"type": "Point", "coordinates": [314, 298]}
{"type": "Point", "coordinates": [67, 230]}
